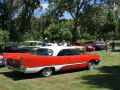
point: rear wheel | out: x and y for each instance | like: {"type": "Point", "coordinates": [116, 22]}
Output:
{"type": "Point", "coordinates": [90, 65]}
{"type": "Point", "coordinates": [46, 72]}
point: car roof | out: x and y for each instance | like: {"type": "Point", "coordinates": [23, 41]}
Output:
{"type": "Point", "coordinates": [56, 49]}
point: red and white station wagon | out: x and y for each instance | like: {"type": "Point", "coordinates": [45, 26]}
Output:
{"type": "Point", "coordinates": [49, 59]}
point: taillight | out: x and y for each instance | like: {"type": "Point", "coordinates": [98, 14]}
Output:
{"type": "Point", "coordinates": [1, 57]}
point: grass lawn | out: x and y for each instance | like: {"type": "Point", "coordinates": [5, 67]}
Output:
{"type": "Point", "coordinates": [105, 76]}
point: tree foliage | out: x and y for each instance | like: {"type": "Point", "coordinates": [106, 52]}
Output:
{"type": "Point", "coordinates": [76, 8]}
{"type": "Point", "coordinates": [59, 31]}
{"type": "Point", "coordinates": [89, 19]}
{"type": "Point", "coordinates": [4, 36]}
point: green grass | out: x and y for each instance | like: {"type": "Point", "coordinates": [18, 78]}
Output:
{"type": "Point", "coordinates": [105, 76]}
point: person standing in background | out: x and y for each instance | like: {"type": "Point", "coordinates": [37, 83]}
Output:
{"type": "Point", "coordinates": [113, 45]}
{"type": "Point", "coordinates": [69, 44]}
{"type": "Point", "coordinates": [54, 43]}
{"type": "Point", "coordinates": [45, 42]}
{"type": "Point", "coordinates": [106, 45]}
{"type": "Point", "coordinates": [63, 43]}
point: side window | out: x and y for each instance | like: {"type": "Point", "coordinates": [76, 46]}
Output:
{"type": "Point", "coordinates": [72, 52]}
{"type": "Point", "coordinates": [46, 52]}
{"type": "Point", "coordinates": [68, 52]}
{"type": "Point", "coordinates": [50, 52]}
{"type": "Point", "coordinates": [76, 52]}
{"type": "Point", "coordinates": [61, 53]}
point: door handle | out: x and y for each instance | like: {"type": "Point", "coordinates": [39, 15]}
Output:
{"type": "Point", "coordinates": [68, 58]}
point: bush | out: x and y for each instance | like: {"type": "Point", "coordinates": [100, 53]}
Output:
{"type": "Point", "coordinates": [27, 36]}
{"type": "Point", "coordinates": [4, 36]}
{"type": "Point", "coordinates": [117, 37]}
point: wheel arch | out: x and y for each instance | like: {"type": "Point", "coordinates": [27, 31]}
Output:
{"type": "Point", "coordinates": [53, 68]}
{"type": "Point", "coordinates": [92, 60]}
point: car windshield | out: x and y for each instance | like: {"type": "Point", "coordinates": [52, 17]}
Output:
{"type": "Point", "coordinates": [11, 47]}
{"type": "Point", "coordinates": [14, 46]}
{"type": "Point", "coordinates": [46, 52]}
{"type": "Point", "coordinates": [32, 43]}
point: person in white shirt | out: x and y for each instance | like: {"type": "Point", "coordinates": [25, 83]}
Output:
{"type": "Point", "coordinates": [54, 43]}
{"type": "Point", "coordinates": [63, 43]}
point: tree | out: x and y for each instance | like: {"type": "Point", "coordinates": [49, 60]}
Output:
{"type": "Point", "coordinates": [76, 8]}
{"type": "Point", "coordinates": [4, 14]}
{"type": "Point", "coordinates": [59, 31]}
{"type": "Point", "coordinates": [113, 11]}
{"type": "Point", "coordinates": [4, 36]}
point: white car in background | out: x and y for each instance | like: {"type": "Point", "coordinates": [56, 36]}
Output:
{"type": "Point", "coordinates": [80, 48]}
{"type": "Point", "coordinates": [31, 44]}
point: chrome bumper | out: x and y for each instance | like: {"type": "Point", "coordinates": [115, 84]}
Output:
{"type": "Point", "coordinates": [20, 69]}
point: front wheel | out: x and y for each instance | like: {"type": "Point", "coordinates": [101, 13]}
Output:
{"type": "Point", "coordinates": [90, 66]}
{"type": "Point", "coordinates": [46, 72]}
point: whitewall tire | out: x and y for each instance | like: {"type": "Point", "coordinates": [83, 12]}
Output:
{"type": "Point", "coordinates": [46, 72]}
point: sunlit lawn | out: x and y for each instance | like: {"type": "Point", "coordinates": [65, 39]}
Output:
{"type": "Point", "coordinates": [105, 76]}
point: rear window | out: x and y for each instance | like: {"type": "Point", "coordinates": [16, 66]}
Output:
{"type": "Point", "coordinates": [46, 52]}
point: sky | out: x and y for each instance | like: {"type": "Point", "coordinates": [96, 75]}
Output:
{"type": "Point", "coordinates": [45, 5]}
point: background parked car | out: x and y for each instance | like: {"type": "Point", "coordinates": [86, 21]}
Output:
{"type": "Point", "coordinates": [87, 46]}
{"type": "Point", "coordinates": [12, 48]}
{"type": "Point", "coordinates": [80, 49]}
{"type": "Point", "coordinates": [99, 45]}
{"type": "Point", "coordinates": [31, 44]}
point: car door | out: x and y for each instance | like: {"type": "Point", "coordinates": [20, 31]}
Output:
{"type": "Point", "coordinates": [72, 59]}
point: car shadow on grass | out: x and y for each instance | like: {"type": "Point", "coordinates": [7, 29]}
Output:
{"type": "Point", "coordinates": [118, 50]}
{"type": "Point", "coordinates": [22, 76]}
{"type": "Point", "coordinates": [108, 78]}
{"type": "Point", "coordinates": [68, 71]}
{"type": "Point", "coordinates": [1, 66]}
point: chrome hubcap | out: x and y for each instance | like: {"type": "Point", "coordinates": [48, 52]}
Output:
{"type": "Point", "coordinates": [47, 71]}
{"type": "Point", "coordinates": [90, 66]}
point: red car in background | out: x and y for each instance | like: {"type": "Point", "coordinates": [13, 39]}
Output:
{"type": "Point", "coordinates": [87, 46]}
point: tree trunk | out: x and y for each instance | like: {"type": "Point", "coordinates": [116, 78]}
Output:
{"type": "Point", "coordinates": [74, 32]}
{"type": "Point", "coordinates": [10, 18]}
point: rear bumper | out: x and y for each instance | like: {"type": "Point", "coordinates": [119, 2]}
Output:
{"type": "Point", "coordinates": [20, 69]}
{"type": "Point", "coordinates": [25, 69]}
{"type": "Point", "coordinates": [96, 62]}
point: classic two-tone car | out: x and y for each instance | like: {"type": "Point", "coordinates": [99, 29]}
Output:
{"type": "Point", "coordinates": [49, 59]}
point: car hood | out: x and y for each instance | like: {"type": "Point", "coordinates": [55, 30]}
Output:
{"type": "Point", "coordinates": [95, 56]}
